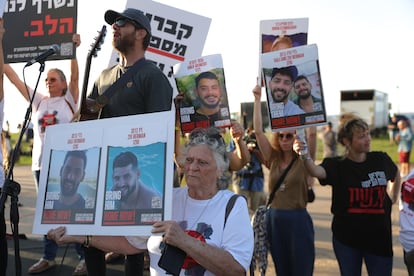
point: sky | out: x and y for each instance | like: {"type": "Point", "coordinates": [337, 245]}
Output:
{"type": "Point", "coordinates": [361, 44]}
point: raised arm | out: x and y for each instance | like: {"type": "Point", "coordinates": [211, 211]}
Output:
{"type": "Point", "coordinates": [16, 81]}
{"type": "Point", "coordinates": [241, 155]}
{"type": "Point", "coordinates": [261, 138]}
{"type": "Point", "coordinates": [74, 71]}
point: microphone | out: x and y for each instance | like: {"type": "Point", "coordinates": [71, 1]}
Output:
{"type": "Point", "coordinates": [42, 57]}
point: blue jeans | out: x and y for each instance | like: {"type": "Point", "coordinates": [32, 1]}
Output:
{"type": "Point", "coordinates": [350, 261]}
{"type": "Point", "coordinates": [292, 241]}
{"type": "Point", "coordinates": [3, 246]}
{"type": "Point", "coordinates": [409, 262]}
{"type": "Point", "coordinates": [50, 249]}
{"type": "Point", "coordinates": [36, 176]}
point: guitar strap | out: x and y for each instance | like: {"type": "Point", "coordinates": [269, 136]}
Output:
{"type": "Point", "coordinates": [103, 99]}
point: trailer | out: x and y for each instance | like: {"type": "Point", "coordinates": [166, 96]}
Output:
{"type": "Point", "coordinates": [369, 104]}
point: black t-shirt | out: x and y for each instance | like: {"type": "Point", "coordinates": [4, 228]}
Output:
{"type": "Point", "coordinates": [360, 203]}
{"type": "Point", "coordinates": [148, 91]}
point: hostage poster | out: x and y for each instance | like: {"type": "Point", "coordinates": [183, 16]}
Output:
{"type": "Point", "coordinates": [202, 85]}
{"type": "Point", "coordinates": [278, 34]}
{"type": "Point", "coordinates": [105, 176]}
{"type": "Point", "coordinates": [294, 88]}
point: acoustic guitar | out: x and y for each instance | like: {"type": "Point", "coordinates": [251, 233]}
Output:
{"type": "Point", "coordinates": [90, 109]}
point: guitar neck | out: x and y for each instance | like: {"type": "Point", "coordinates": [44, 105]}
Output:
{"type": "Point", "coordinates": [86, 79]}
{"type": "Point", "coordinates": [83, 113]}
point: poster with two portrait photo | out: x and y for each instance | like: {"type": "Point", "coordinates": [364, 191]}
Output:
{"type": "Point", "coordinates": [201, 84]}
{"type": "Point", "coordinates": [78, 165]}
{"type": "Point", "coordinates": [288, 107]}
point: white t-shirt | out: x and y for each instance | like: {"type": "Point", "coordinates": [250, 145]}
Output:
{"type": "Point", "coordinates": [48, 111]}
{"type": "Point", "coordinates": [2, 177]}
{"type": "Point", "coordinates": [207, 218]}
{"type": "Point", "coordinates": [407, 213]}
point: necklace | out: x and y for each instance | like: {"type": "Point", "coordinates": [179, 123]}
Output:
{"type": "Point", "coordinates": [199, 216]}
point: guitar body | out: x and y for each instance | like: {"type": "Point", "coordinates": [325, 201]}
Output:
{"type": "Point", "coordinates": [89, 109]}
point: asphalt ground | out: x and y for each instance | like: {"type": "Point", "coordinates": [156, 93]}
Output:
{"type": "Point", "coordinates": [31, 246]}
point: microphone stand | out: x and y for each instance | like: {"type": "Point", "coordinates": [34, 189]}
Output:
{"type": "Point", "coordinates": [12, 188]}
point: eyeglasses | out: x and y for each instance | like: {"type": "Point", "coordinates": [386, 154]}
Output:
{"type": "Point", "coordinates": [51, 80]}
{"type": "Point", "coordinates": [121, 22]}
{"type": "Point", "coordinates": [288, 136]}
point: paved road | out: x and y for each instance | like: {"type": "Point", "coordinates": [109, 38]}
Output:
{"type": "Point", "coordinates": [31, 248]}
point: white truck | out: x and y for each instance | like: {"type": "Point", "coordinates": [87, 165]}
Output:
{"type": "Point", "coordinates": [370, 104]}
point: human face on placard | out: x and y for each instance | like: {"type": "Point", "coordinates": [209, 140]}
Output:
{"type": "Point", "coordinates": [303, 88]}
{"type": "Point", "coordinates": [280, 86]}
{"type": "Point", "coordinates": [71, 174]}
{"type": "Point", "coordinates": [208, 91]}
{"type": "Point", "coordinates": [125, 180]}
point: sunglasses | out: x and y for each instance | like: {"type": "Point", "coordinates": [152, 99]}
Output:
{"type": "Point", "coordinates": [288, 136]}
{"type": "Point", "coordinates": [51, 80]}
{"type": "Point", "coordinates": [209, 134]}
{"type": "Point", "coordinates": [121, 22]}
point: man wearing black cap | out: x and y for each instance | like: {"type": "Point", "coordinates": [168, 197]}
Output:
{"type": "Point", "coordinates": [147, 91]}
{"type": "Point", "coordinates": [280, 85]}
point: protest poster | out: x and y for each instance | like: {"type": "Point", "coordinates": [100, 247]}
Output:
{"type": "Point", "coordinates": [60, 181]}
{"type": "Point", "coordinates": [121, 154]}
{"type": "Point", "coordinates": [2, 5]}
{"type": "Point", "coordinates": [294, 88]}
{"type": "Point", "coordinates": [34, 26]}
{"type": "Point", "coordinates": [290, 32]}
{"type": "Point", "coordinates": [277, 34]}
{"type": "Point", "coordinates": [203, 85]}
{"type": "Point", "coordinates": [177, 35]}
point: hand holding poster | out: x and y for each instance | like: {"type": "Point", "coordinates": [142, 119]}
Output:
{"type": "Point", "coordinates": [105, 176]}
{"type": "Point", "coordinates": [201, 83]}
{"type": "Point", "coordinates": [294, 87]}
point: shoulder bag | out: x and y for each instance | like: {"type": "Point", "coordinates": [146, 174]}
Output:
{"type": "Point", "coordinates": [259, 221]}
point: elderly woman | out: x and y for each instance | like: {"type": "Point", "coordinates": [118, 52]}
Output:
{"type": "Point", "coordinates": [365, 184]}
{"type": "Point", "coordinates": [290, 227]}
{"type": "Point", "coordinates": [212, 244]}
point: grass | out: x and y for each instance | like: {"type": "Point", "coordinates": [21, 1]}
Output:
{"type": "Point", "coordinates": [380, 143]}
{"type": "Point", "coordinates": [377, 144]}
{"type": "Point", "coordinates": [25, 158]}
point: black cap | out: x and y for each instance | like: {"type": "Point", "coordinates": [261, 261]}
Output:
{"type": "Point", "coordinates": [131, 14]}
{"type": "Point", "coordinates": [290, 71]}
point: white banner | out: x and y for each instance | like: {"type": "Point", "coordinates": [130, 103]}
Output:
{"type": "Point", "coordinates": [90, 184]}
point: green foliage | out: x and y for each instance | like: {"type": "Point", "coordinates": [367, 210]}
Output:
{"type": "Point", "coordinates": [380, 143]}
{"type": "Point", "coordinates": [25, 156]}
{"type": "Point", "coordinates": [377, 144]}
